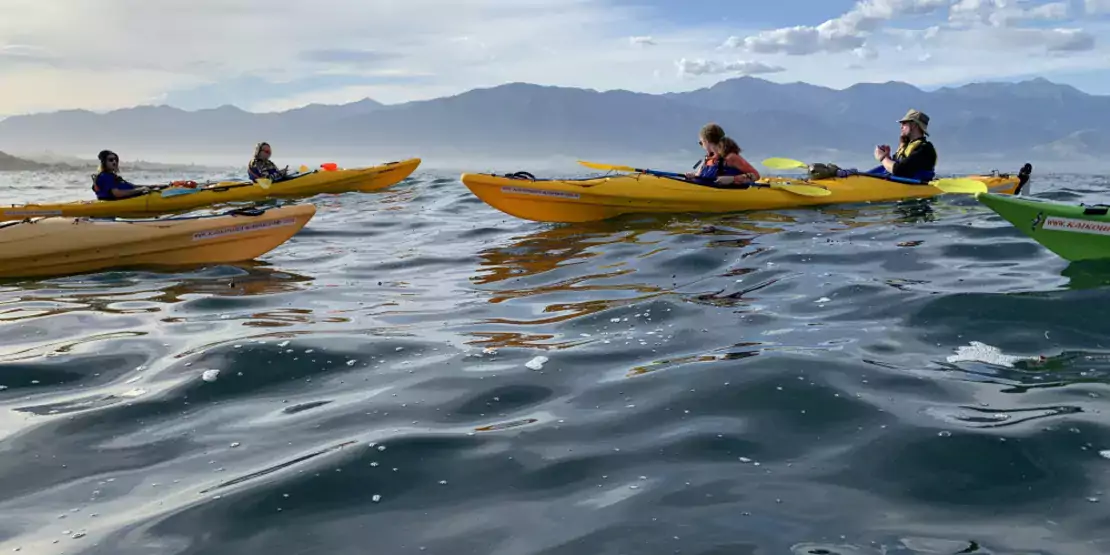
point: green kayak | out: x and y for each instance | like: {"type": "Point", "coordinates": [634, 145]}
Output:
{"type": "Point", "coordinates": [1073, 231]}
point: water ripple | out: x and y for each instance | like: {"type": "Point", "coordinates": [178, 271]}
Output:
{"type": "Point", "coordinates": [418, 373]}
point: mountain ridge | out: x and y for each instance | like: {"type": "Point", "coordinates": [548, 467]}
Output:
{"type": "Point", "coordinates": [976, 121]}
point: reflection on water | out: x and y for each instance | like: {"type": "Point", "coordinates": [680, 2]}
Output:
{"type": "Point", "coordinates": [139, 292]}
{"type": "Point", "coordinates": [667, 383]}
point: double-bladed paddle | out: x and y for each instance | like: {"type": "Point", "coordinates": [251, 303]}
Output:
{"type": "Point", "coordinates": [262, 182]}
{"type": "Point", "coordinates": [797, 189]}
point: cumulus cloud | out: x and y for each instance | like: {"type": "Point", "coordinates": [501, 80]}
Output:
{"type": "Point", "coordinates": [845, 33]}
{"type": "Point", "coordinates": [710, 67]}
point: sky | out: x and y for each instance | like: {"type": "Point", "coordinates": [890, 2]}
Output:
{"type": "Point", "coordinates": [272, 55]}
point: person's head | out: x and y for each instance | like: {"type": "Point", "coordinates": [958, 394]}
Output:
{"type": "Point", "coordinates": [262, 151]}
{"type": "Point", "coordinates": [915, 124]}
{"type": "Point", "coordinates": [727, 146]}
{"type": "Point", "coordinates": [709, 136]}
{"type": "Point", "coordinates": [109, 161]}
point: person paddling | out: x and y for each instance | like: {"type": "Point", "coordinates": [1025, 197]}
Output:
{"type": "Point", "coordinates": [108, 184]}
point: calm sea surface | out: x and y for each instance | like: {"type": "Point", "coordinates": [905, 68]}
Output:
{"type": "Point", "coordinates": [417, 373]}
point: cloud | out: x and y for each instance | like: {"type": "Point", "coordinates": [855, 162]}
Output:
{"type": "Point", "coordinates": [278, 54]}
{"type": "Point", "coordinates": [1055, 40]}
{"type": "Point", "coordinates": [1003, 13]}
{"type": "Point", "coordinates": [345, 56]}
{"type": "Point", "coordinates": [1013, 39]}
{"type": "Point", "coordinates": [845, 33]}
{"type": "Point", "coordinates": [1096, 7]}
{"type": "Point", "coordinates": [865, 53]}
{"type": "Point", "coordinates": [285, 40]}
{"type": "Point", "coordinates": [254, 90]}
{"type": "Point", "coordinates": [709, 67]}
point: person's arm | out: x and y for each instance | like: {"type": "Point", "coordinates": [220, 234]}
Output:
{"type": "Point", "coordinates": [749, 175]}
{"type": "Point", "coordinates": [128, 193]}
{"type": "Point", "coordinates": [127, 189]}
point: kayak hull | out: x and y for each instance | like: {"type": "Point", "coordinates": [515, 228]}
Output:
{"type": "Point", "coordinates": [593, 199]}
{"type": "Point", "coordinates": [1073, 232]}
{"type": "Point", "coordinates": [63, 246]}
{"type": "Point", "coordinates": [154, 204]}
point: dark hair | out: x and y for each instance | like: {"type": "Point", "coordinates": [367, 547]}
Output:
{"type": "Point", "coordinates": [729, 146]}
{"type": "Point", "coordinates": [104, 154]}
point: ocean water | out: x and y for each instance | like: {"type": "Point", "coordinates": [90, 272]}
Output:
{"type": "Point", "coordinates": [416, 372]}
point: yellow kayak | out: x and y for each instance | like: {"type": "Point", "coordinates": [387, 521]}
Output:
{"type": "Point", "coordinates": [61, 246]}
{"type": "Point", "coordinates": [599, 198]}
{"type": "Point", "coordinates": [153, 204]}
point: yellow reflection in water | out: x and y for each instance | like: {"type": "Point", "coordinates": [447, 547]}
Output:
{"type": "Point", "coordinates": [632, 239]}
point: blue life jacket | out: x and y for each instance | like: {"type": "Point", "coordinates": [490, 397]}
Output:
{"type": "Point", "coordinates": [106, 182]}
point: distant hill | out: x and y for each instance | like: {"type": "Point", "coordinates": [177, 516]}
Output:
{"type": "Point", "coordinates": [1000, 124]}
{"type": "Point", "coordinates": [52, 161]}
{"type": "Point", "coordinates": [9, 163]}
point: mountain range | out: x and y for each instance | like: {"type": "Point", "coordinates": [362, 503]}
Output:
{"type": "Point", "coordinates": [997, 124]}
{"type": "Point", "coordinates": [9, 163]}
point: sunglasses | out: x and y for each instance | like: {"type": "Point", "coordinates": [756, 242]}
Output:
{"type": "Point", "coordinates": [112, 159]}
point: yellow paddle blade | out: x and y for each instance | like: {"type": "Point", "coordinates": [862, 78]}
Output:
{"type": "Point", "coordinates": [785, 164]}
{"type": "Point", "coordinates": [263, 182]}
{"type": "Point", "coordinates": [959, 185]}
{"type": "Point", "coordinates": [806, 190]}
{"type": "Point", "coordinates": [303, 168]}
{"type": "Point", "coordinates": [598, 166]}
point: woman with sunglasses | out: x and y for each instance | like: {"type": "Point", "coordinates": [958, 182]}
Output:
{"type": "Point", "coordinates": [261, 166]}
{"type": "Point", "coordinates": [108, 184]}
{"type": "Point", "coordinates": [723, 165]}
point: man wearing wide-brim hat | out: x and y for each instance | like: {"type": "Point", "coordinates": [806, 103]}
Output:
{"type": "Point", "coordinates": [916, 158]}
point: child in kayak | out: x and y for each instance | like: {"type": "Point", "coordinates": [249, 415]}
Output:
{"type": "Point", "coordinates": [724, 165]}
{"type": "Point", "coordinates": [108, 184]}
{"type": "Point", "coordinates": [261, 166]}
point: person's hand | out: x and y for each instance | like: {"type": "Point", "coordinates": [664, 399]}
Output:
{"type": "Point", "coordinates": [881, 152]}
